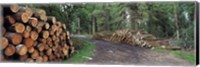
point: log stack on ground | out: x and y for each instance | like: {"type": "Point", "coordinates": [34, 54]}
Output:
{"type": "Point", "coordinates": [134, 37]}
{"type": "Point", "coordinates": [31, 36]}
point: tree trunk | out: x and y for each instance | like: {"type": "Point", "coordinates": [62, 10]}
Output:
{"type": "Point", "coordinates": [17, 27]}
{"type": "Point", "coordinates": [26, 10]}
{"type": "Point", "coordinates": [51, 19]}
{"type": "Point", "coordinates": [176, 21]}
{"type": "Point", "coordinates": [94, 25]}
{"type": "Point", "coordinates": [79, 25]}
{"type": "Point", "coordinates": [10, 9]}
{"type": "Point", "coordinates": [23, 58]}
{"type": "Point", "coordinates": [9, 20]}
{"type": "Point", "coordinates": [21, 17]}
{"type": "Point", "coordinates": [40, 14]}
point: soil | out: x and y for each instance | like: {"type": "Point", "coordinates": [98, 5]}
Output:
{"type": "Point", "coordinates": [107, 52]}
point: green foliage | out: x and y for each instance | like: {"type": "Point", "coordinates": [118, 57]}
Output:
{"type": "Point", "coordinates": [179, 53]}
{"type": "Point", "coordinates": [185, 55]}
{"type": "Point", "coordinates": [165, 19]}
{"type": "Point", "coordinates": [174, 20]}
{"type": "Point", "coordinates": [83, 49]}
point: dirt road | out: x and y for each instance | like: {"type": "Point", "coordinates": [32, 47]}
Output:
{"type": "Point", "coordinates": [118, 53]}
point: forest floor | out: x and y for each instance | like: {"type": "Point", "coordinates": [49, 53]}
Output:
{"type": "Point", "coordinates": [107, 52]}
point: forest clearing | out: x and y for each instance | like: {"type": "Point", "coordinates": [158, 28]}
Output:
{"type": "Point", "coordinates": [100, 33]}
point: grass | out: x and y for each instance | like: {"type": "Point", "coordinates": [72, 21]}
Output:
{"type": "Point", "coordinates": [84, 49]}
{"type": "Point", "coordinates": [179, 54]}
{"type": "Point", "coordinates": [185, 55]}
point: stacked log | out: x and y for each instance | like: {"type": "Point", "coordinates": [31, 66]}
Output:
{"type": "Point", "coordinates": [133, 37]}
{"type": "Point", "coordinates": [142, 39]}
{"type": "Point", "coordinates": [31, 36]}
{"type": "Point", "coordinates": [130, 37]}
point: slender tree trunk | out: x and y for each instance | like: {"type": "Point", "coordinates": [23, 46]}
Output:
{"type": "Point", "coordinates": [176, 21]}
{"type": "Point", "coordinates": [79, 25]}
{"type": "Point", "coordinates": [93, 25]}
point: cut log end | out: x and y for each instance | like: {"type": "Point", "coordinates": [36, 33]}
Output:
{"type": "Point", "coordinates": [46, 25]}
{"type": "Point", "coordinates": [45, 58]}
{"type": "Point", "coordinates": [49, 52]}
{"type": "Point", "coordinates": [45, 34]}
{"type": "Point", "coordinates": [41, 47]}
{"type": "Point", "coordinates": [39, 59]}
{"type": "Point", "coordinates": [31, 49]}
{"type": "Point", "coordinates": [10, 50]}
{"type": "Point", "coordinates": [23, 58]}
{"type": "Point", "coordinates": [14, 8]}
{"type": "Point", "coordinates": [39, 29]}
{"type": "Point", "coordinates": [15, 38]}
{"type": "Point", "coordinates": [25, 17]}
{"type": "Point", "coordinates": [30, 60]}
{"type": "Point", "coordinates": [21, 17]}
{"type": "Point", "coordinates": [33, 22]}
{"type": "Point", "coordinates": [35, 43]}
{"type": "Point", "coordinates": [35, 54]}
{"type": "Point", "coordinates": [2, 58]}
{"type": "Point", "coordinates": [10, 19]}
{"type": "Point", "coordinates": [4, 43]}
{"type": "Point", "coordinates": [26, 34]}
{"type": "Point", "coordinates": [21, 49]}
{"type": "Point", "coordinates": [40, 14]}
{"type": "Point", "coordinates": [28, 42]}
{"type": "Point", "coordinates": [28, 28]}
{"type": "Point", "coordinates": [29, 11]}
{"type": "Point", "coordinates": [34, 35]}
{"type": "Point", "coordinates": [51, 19]}
{"type": "Point", "coordinates": [3, 29]}
{"type": "Point", "coordinates": [19, 27]}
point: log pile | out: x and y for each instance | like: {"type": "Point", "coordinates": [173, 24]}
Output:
{"type": "Point", "coordinates": [133, 37]}
{"type": "Point", "coordinates": [30, 36]}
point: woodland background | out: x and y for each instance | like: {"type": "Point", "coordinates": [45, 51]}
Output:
{"type": "Point", "coordinates": [175, 20]}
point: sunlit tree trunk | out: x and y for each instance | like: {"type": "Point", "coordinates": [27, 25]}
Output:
{"type": "Point", "coordinates": [79, 25]}
{"type": "Point", "coordinates": [94, 25]}
{"type": "Point", "coordinates": [176, 21]}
